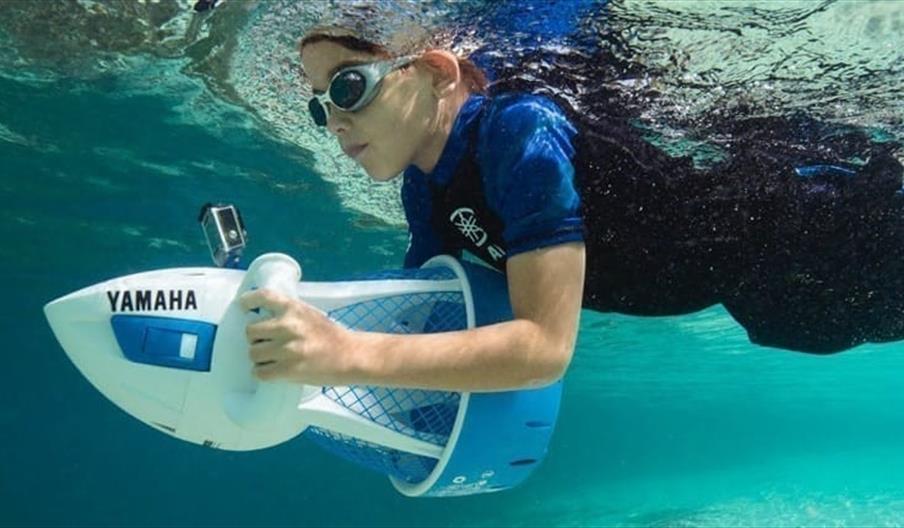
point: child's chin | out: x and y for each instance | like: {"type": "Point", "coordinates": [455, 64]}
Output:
{"type": "Point", "coordinates": [381, 175]}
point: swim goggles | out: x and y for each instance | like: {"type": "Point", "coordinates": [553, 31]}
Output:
{"type": "Point", "coordinates": [353, 87]}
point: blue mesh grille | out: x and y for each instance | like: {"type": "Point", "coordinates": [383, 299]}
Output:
{"type": "Point", "coordinates": [416, 313]}
{"type": "Point", "coordinates": [425, 415]}
{"type": "Point", "coordinates": [438, 273]}
{"type": "Point", "coordinates": [421, 414]}
{"type": "Point", "coordinates": [404, 466]}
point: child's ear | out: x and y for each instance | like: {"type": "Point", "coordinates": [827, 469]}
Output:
{"type": "Point", "coordinates": [444, 68]}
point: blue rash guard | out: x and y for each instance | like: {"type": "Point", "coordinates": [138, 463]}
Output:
{"type": "Point", "coordinates": [804, 252]}
{"type": "Point", "coordinates": [522, 148]}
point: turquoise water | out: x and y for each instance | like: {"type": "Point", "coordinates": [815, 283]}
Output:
{"type": "Point", "coordinates": [665, 421]}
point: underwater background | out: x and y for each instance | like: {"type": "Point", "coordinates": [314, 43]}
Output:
{"type": "Point", "coordinates": [119, 119]}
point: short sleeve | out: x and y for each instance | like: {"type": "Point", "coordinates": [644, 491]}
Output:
{"type": "Point", "coordinates": [525, 158]}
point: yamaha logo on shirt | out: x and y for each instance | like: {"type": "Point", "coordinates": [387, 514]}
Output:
{"type": "Point", "coordinates": [465, 219]}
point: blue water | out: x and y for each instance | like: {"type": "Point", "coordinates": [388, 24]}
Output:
{"type": "Point", "coordinates": [665, 421]}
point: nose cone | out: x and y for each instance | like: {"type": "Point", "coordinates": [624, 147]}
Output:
{"type": "Point", "coordinates": [112, 333]}
{"type": "Point", "coordinates": [168, 348]}
{"type": "Point", "coordinates": [82, 323]}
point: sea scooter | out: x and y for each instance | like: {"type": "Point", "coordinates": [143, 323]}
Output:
{"type": "Point", "coordinates": [169, 348]}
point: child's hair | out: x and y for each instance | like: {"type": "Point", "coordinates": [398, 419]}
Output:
{"type": "Point", "coordinates": [474, 78]}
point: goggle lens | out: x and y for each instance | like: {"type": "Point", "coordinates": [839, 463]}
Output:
{"type": "Point", "coordinates": [318, 112]}
{"type": "Point", "coordinates": [347, 89]}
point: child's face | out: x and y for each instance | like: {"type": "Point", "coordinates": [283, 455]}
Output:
{"type": "Point", "coordinates": [393, 127]}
